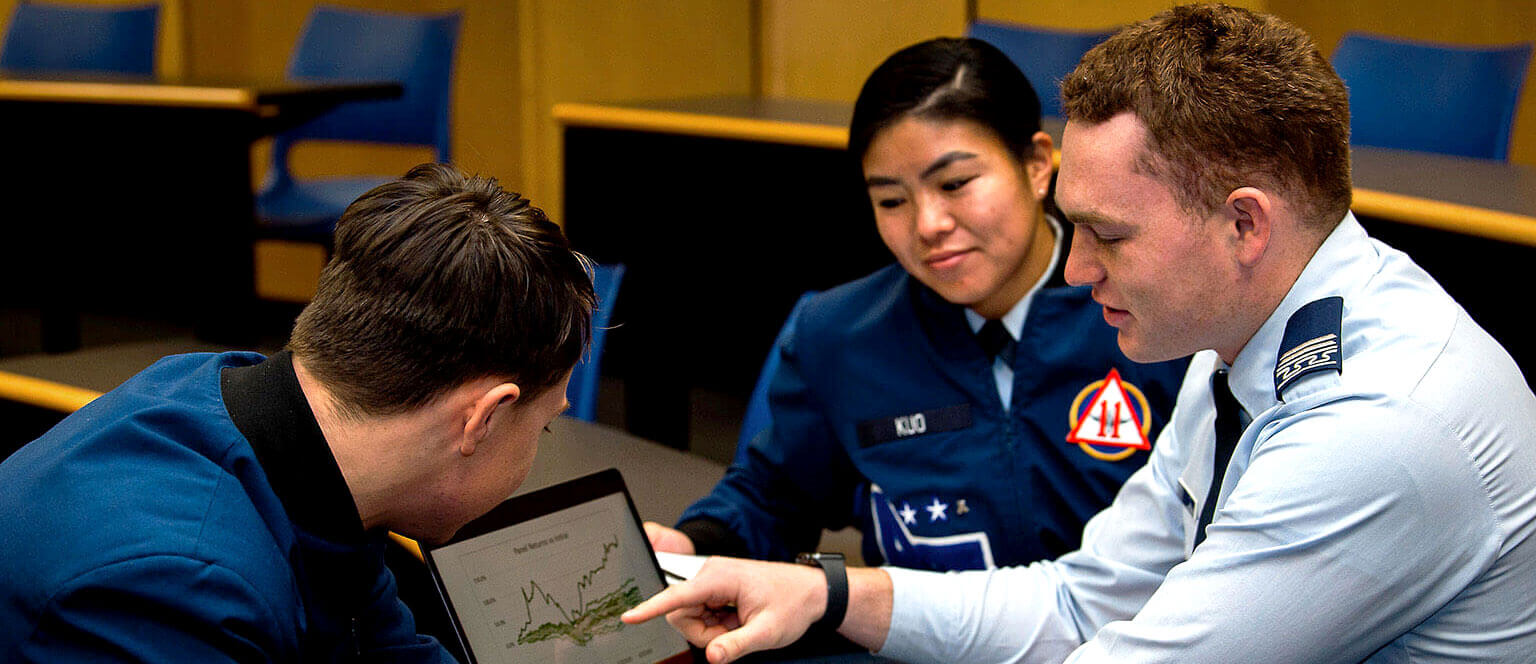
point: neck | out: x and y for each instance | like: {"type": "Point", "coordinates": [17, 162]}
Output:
{"type": "Point", "coordinates": [1268, 284]}
{"type": "Point", "coordinates": [353, 443]}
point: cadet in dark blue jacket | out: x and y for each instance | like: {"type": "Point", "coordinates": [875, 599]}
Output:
{"type": "Point", "coordinates": [965, 409]}
{"type": "Point", "coordinates": [221, 508]}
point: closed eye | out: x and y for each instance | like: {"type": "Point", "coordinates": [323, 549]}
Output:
{"type": "Point", "coordinates": [1105, 239]}
{"type": "Point", "coordinates": [1102, 231]}
{"type": "Point", "coordinates": [956, 184]}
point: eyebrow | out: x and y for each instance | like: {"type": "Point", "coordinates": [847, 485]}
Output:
{"type": "Point", "coordinates": [938, 165]}
{"type": "Point", "coordinates": [1090, 218]}
{"type": "Point", "coordinates": [944, 161]}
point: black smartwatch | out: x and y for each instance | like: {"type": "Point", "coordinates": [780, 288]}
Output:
{"type": "Point", "coordinates": [837, 588]}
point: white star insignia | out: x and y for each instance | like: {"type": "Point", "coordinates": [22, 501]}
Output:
{"type": "Point", "coordinates": [908, 515]}
{"type": "Point", "coordinates": [936, 511]}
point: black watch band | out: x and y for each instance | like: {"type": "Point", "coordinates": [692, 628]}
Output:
{"type": "Point", "coordinates": [837, 588]}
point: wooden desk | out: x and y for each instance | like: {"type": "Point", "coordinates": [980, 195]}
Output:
{"type": "Point", "coordinates": [663, 481]}
{"type": "Point", "coordinates": [128, 194]}
{"type": "Point", "coordinates": [812, 124]}
{"type": "Point", "coordinates": [726, 209]}
{"type": "Point", "coordinates": [1476, 197]}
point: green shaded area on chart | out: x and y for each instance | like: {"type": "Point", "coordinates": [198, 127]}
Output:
{"type": "Point", "coordinates": [590, 618]}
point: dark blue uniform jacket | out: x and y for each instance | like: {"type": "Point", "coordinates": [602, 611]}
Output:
{"type": "Point", "coordinates": [194, 514]}
{"type": "Point", "coordinates": [886, 416]}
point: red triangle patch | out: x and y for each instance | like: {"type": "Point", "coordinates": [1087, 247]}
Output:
{"type": "Point", "coordinates": [1110, 419]}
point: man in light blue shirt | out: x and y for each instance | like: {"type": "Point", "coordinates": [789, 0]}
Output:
{"type": "Point", "coordinates": [1350, 470]}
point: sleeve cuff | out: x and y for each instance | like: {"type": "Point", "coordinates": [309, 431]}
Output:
{"type": "Point", "coordinates": [909, 589]}
{"type": "Point", "coordinates": [713, 538]}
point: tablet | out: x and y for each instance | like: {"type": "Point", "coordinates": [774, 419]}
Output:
{"type": "Point", "coordinates": [545, 576]}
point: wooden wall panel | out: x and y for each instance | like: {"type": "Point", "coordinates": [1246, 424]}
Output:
{"type": "Point", "coordinates": [1082, 14]}
{"type": "Point", "coordinates": [611, 50]}
{"type": "Point", "coordinates": [218, 39]}
{"type": "Point", "coordinates": [824, 50]}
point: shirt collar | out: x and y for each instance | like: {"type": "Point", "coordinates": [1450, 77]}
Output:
{"type": "Point", "coordinates": [1335, 269]}
{"type": "Point", "coordinates": [270, 410]}
{"type": "Point", "coordinates": [1013, 321]}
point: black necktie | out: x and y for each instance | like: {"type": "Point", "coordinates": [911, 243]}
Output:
{"type": "Point", "coordinates": [996, 341]}
{"type": "Point", "coordinates": [1228, 429]}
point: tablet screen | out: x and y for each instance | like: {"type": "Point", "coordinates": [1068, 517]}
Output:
{"type": "Point", "coordinates": [549, 576]}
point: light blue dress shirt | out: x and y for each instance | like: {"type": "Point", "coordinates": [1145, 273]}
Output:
{"type": "Point", "coordinates": [1013, 321]}
{"type": "Point", "coordinates": [1382, 514]}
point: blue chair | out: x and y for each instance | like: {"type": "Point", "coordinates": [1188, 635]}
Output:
{"type": "Point", "coordinates": [351, 45]}
{"type": "Point", "coordinates": [1045, 56]}
{"type": "Point", "coordinates": [81, 38]}
{"type": "Point", "coordinates": [582, 391]}
{"type": "Point", "coordinates": [1410, 95]}
{"type": "Point", "coordinates": [757, 417]}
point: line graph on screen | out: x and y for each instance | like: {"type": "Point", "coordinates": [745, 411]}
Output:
{"type": "Point", "coordinates": [578, 619]}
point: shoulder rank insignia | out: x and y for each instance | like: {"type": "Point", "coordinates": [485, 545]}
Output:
{"type": "Point", "coordinates": [1117, 417]}
{"type": "Point", "coordinates": [1311, 342]}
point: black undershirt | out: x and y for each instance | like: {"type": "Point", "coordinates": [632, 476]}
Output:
{"type": "Point", "coordinates": [270, 410]}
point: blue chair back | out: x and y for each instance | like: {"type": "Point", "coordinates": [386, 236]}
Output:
{"type": "Point", "coordinates": [81, 38]}
{"type": "Point", "coordinates": [355, 45]}
{"type": "Point", "coordinates": [1045, 56]}
{"type": "Point", "coordinates": [1411, 95]}
{"type": "Point", "coordinates": [582, 391]}
{"type": "Point", "coordinates": [758, 417]}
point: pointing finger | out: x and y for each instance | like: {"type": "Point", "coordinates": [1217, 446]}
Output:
{"type": "Point", "coordinates": [678, 596]}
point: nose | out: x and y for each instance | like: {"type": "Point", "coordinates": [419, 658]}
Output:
{"type": "Point", "coordinates": [1083, 267]}
{"type": "Point", "coordinates": [933, 219]}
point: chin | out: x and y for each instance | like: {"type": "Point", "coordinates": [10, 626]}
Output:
{"type": "Point", "coordinates": [1144, 353]}
{"type": "Point", "coordinates": [953, 291]}
{"type": "Point", "coordinates": [1137, 351]}
{"type": "Point", "coordinates": [446, 534]}
{"type": "Point", "coordinates": [959, 296]}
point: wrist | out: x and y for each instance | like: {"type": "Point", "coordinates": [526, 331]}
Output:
{"type": "Point", "coordinates": [870, 598]}
{"type": "Point", "coordinates": [835, 572]}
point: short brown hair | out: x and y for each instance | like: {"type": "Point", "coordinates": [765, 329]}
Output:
{"type": "Point", "coordinates": [1230, 98]}
{"type": "Point", "coordinates": [439, 279]}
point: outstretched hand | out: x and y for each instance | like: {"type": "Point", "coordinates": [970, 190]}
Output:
{"type": "Point", "coordinates": [734, 607]}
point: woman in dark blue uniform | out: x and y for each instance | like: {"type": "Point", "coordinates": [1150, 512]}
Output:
{"type": "Point", "coordinates": [964, 408]}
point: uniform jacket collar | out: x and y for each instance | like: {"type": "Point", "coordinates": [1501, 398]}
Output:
{"type": "Point", "coordinates": [1335, 269]}
{"type": "Point", "coordinates": [270, 410]}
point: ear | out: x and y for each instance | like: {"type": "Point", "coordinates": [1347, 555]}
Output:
{"type": "Point", "coordinates": [1038, 165]}
{"type": "Point", "coordinates": [481, 410]}
{"type": "Point", "coordinates": [1249, 216]}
